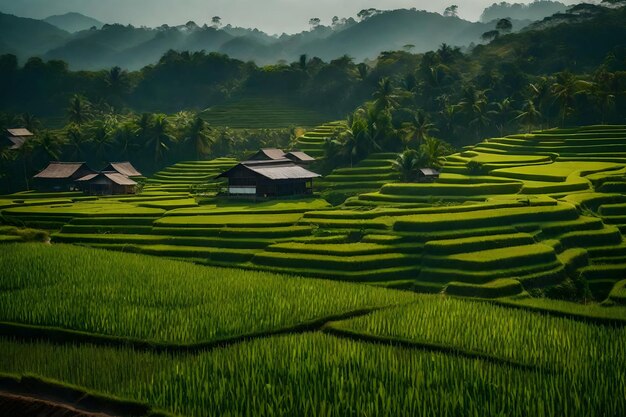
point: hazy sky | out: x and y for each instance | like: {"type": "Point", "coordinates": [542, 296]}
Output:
{"type": "Point", "coordinates": [273, 16]}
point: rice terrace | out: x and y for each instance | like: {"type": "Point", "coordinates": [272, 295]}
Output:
{"type": "Point", "coordinates": [401, 213]}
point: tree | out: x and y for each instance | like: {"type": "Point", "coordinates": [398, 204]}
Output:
{"type": "Point", "coordinates": [417, 129]}
{"type": "Point", "coordinates": [50, 145]}
{"type": "Point", "coordinates": [216, 21]}
{"type": "Point", "coordinates": [29, 121]}
{"type": "Point", "coordinates": [451, 11]}
{"type": "Point", "coordinates": [432, 152]}
{"type": "Point", "coordinates": [116, 80]}
{"type": "Point", "coordinates": [75, 141]}
{"type": "Point", "coordinates": [79, 110]}
{"type": "Point", "coordinates": [197, 136]}
{"type": "Point", "coordinates": [504, 25]}
{"type": "Point", "coordinates": [302, 62]}
{"type": "Point", "coordinates": [529, 116]}
{"type": "Point", "coordinates": [100, 139]}
{"type": "Point", "coordinates": [367, 13]}
{"type": "Point", "coordinates": [385, 96]}
{"type": "Point", "coordinates": [490, 35]}
{"type": "Point", "coordinates": [314, 22]}
{"type": "Point", "coordinates": [408, 47]}
{"type": "Point", "coordinates": [160, 137]}
{"type": "Point", "coordinates": [503, 111]}
{"type": "Point", "coordinates": [565, 89]}
{"type": "Point", "coordinates": [406, 165]}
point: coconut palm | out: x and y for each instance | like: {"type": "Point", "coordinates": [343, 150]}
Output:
{"type": "Point", "coordinates": [565, 89]}
{"type": "Point", "coordinates": [75, 141]}
{"type": "Point", "coordinates": [529, 116]}
{"type": "Point", "coordinates": [406, 165]}
{"type": "Point", "coordinates": [197, 136]}
{"type": "Point", "coordinates": [79, 110]}
{"type": "Point", "coordinates": [159, 137]}
{"type": "Point", "coordinates": [432, 152]}
{"type": "Point", "coordinates": [417, 129]}
{"type": "Point", "coordinates": [385, 96]}
{"type": "Point", "coordinates": [49, 144]}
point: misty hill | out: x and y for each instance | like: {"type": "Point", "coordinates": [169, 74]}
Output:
{"type": "Point", "coordinates": [536, 10]}
{"type": "Point", "coordinates": [132, 48]}
{"type": "Point", "coordinates": [73, 22]}
{"type": "Point", "coordinates": [28, 37]}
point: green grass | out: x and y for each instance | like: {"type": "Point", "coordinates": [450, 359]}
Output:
{"type": "Point", "coordinates": [259, 113]}
{"type": "Point", "coordinates": [133, 296]}
{"type": "Point", "coordinates": [516, 335]}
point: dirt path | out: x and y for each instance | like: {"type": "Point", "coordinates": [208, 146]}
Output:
{"type": "Point", "coordinates": [18, 405]}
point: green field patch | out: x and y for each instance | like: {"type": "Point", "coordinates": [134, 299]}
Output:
{"type": "Point", "coordinates": [346, 249]}
{"type": "Point", "coordinates": [240, 232]}
{"type": "Point", "coordinates": [230, 220]}
{"type": "Point", "coordinates": [450, 189]}
{"type": "Point", "coordinates": [618, 293]}
{"type": "Point", "coordinates": [290, 376]}
{"type": "Point", "coordinates": [161, 300]}
{"type": "Point", "coordinates": [484, 218]}
{"type": "Point", "coordinates": [495, 289]}
{"type": "Point", "coordinates": [555, 172]}
{"type": "Point", "coordinates": [497, 331]}
{"type": "Point", "coordinates": [335, 262]}
{"type": "Point", "coordinates": [500, 258]}
{"type": "Point", "coordinates": [476, 243]}
{"type": "Point", "coordinates": [267, 207]}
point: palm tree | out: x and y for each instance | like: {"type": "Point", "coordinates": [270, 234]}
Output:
{"type": "Point", "coordinates": [603, 93]}
{"type": "Point", "coordinates": [432, 152]}
{"type": "Point", "coordinates": [79, 110]}
{"type": "Point", "coordinates": [223, 142]}
{"type": "Point", "coordinates": [529, 116]}
{"type": "Point", "coordinates": [406, 165]}
{"type": "Point", "coordinates": [417, 129]}
{"type": "Point", "coordinates": [360, 138]}
{"type": "Point", "coordinates": [197, 136]}
{"type": "Point", "coordinates": [75, 141]}
{"type": "Point", "coordinates": [503, 110]}
{"type": "Point", "coordinates": [124, 137]}
{"type": "Point", "coordinates": [50, 144]}
{"type": "Point", "coordinates": [565, 89]}
{"type": "Point", "coordinates": [160, 137]}
{"type": "Point", "coordinates": [100, 139]}
{"type": "Point", "coordinates": [29, 121]}
{"type": "Point", "coordinates": [384, 95]}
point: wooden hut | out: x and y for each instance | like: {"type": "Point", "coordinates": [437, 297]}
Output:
{"type": "Point", "coordinates": [107, 183]}
{"type": "Point", "coordinates": [61, 176]}
{"type": "Point", "coordinates": [272, 178]}
{"type": "Point", "coordinates": [125, 168]}
{"type": "Point", "coordinates": [427, 175]}
{"type": "Point", "coordinates": [16, 138]}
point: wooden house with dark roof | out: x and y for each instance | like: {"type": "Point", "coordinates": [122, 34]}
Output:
{"type": "Point", "coordinates": [16, 138]}
{"type": "Point", "coordinates": [107, 183]}
{"type": "Point", "coordinates": [61, 176]}
{"type": "Point", "coordinates": [427, 175]}
{"type": "Point", "coordinates": [273, 178]}
{"type": "Point", "coordinates": [125, 168]}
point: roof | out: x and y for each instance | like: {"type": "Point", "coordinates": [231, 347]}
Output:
{"type": "Point", "coordinates": [115, 177]}
{"type": "Point", "coordinates": [124, 168]}
{"type": "Point", "coordinates": [61, 170]}
{"type": "Point", "coordinates": [269, 153]}
{"type": "Point", "coordinates": [19, 132]}
{"type": "Point", "coordinates": [300, 156]}
{"type": "Point", "coordinates": [17, 142]}
{"type": "Point", "coordinates": [429, 172]}
{"type": "Point", "coordinates": [275, 170]}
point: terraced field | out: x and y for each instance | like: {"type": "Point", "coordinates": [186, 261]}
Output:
{"type": "Point", "coordinates": [261, 113]}
{"type": "Point", "coordinates": [184, 176]}
{"type": "Point", "coordinates": [312, 142]}
{"type": "Point", "coordinates": [366, 176]}
{"type": "Point", "coordinates": [506, 217]}
{"type": "Point", "coordinates": [167, 338]}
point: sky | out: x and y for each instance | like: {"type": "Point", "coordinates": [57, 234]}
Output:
{"type": "Point", "coordinates": [272, 16]}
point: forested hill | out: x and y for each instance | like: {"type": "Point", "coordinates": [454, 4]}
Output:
{"type": "Point", "coordinates": [73, 22]}
{"type": "Point", "coordinates": [133, 48]}
{"type": "Point", "coordinates": [29, 37]}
